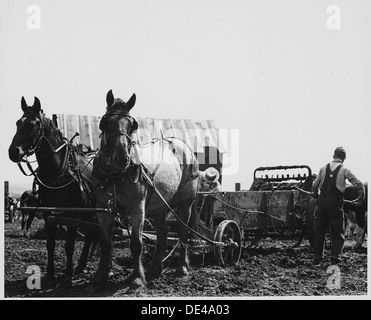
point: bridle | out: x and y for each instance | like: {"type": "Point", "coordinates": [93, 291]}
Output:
{"type": "Point", "coordinates": [32, 149]}
{"type": "Point", "coordinates": [36, 141]}
{"type": "Point", "coordinates": [40, 135]}
{"type": "Point", "coordinates": [130, 142]}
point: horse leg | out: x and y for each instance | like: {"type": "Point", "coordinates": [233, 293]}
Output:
{"type": "Point", "coordinates": [184, 212]}
{"type": "Point", "coordinates": [23, 223]}
{"type": "Point", "coordinates": [69, 249]}
{"type": "Point", "coordinates": [137, 221]}
{"type": "Point", "coordinates": [161, 232]}
{"type": "Point", "coordinates": [90, 235]}
{"type": "Point", "coordinates": [51, 230]}
{"type": "Point", "coordinates": [94, 247]}
{"type": "Point", "coordinates": [30, 219]}
{"type": "Point", "coordinates": [106, 229]}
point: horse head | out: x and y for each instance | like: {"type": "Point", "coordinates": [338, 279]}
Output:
{"type": "Point", "coordinates": [117, 126]}
{"type": "Point", "coordinates": [29, 131]}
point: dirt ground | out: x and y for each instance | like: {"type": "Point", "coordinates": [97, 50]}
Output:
{"type": "Point", "coordinates": [273, 269]}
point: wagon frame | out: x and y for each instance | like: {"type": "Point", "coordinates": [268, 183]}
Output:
{"type": "Point", "coordinates": [226, 222]}
{"type": "Point", "coordinates": [278, 208]}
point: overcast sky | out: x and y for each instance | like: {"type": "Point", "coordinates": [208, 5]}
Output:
{"type": "Point", "coordinates": [291, 77]}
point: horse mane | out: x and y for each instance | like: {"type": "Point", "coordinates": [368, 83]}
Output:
{"type": "Point", "coordinates": [52, 131]}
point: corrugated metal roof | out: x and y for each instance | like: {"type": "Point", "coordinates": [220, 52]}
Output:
{"type": "Point", "coordinates": [196, 133]}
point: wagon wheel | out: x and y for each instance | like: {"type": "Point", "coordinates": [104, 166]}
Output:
{"type": "Point", "coordinates": [229, 233]}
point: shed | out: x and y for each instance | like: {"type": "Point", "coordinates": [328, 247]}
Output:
{"type": "Point", "coordinates": [201, 135]}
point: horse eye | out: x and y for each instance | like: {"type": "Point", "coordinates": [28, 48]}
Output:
{"type": "Point", "coordinates": [134, 125]}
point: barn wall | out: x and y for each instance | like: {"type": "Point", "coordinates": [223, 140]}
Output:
{"type": "Point", "coordinates": [196, 133]}
{"type": "Point", "coordinates": [201, 135]}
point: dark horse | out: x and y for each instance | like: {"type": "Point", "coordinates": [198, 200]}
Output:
{"type": "Point", "coordinates": [28, 199]}
{"type": "Point", "coordinates": [64, 178]}
{"type": "Point", "coordinates": [121, 167]}
{"type": "Point", "coordinates": [356, 215]}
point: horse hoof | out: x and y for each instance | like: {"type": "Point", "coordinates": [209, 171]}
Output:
{"type": "Point", "coordinates": [139, 282]}
{"type": "Point", "coordinates": [182, 271]}
{"type": "Point", "coordinates": [48, 281]}
{"type": "Point", "coordinates": [65, 282]}
{"type": "Point", "coordinates": [137, 286]}
{"type": "Point", "coordinates": [98, 283]}
{"type": "Point", "coordinates": [78, 270]}
{"type": "Point", "coordinates": [93, 288]}
{"type": "Point", "coordinates": [152, 274]}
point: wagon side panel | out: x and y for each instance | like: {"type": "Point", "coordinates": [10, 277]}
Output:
{"type": "Point", "coordinates": [243, 207]}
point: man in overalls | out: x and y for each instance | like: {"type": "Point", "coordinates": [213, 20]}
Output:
{"type": "Point", "coordinates": [331, 182]}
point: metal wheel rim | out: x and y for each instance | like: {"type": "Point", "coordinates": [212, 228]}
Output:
{"type": "Point", "coordinates": [228, 229]}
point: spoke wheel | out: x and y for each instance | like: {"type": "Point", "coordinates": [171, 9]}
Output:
{"type": "Point", "coordinates": [229, 233]}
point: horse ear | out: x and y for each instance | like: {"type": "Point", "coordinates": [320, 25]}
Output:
{"type": "Point", "coordinates": [131, 102]}
{"type": "Point", "coordinates": [24, 104]}
{"type": "Point", "coordinates": [110, 98]}
{"type": "Point", "coordinates": [37, 105]}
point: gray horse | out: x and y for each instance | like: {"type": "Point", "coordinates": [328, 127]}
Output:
{"type": "Point", "coordinates": [127, 172]}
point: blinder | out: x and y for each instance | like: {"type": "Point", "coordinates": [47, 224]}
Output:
{"type": "Point", "coordinates": [36, 139]}
{"type": "Point", "coordinates": [103, 122]}
{"type": "Point", "coordinates": [134, 125]}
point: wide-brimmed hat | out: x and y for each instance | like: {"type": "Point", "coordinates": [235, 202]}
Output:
{"type": "Point", "coordinates": [211, 175]}
{"type": "Point", "coordinates": [340, 152]}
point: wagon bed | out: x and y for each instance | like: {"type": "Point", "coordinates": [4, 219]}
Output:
{"type": "Point", "coordinates": [274, 208]}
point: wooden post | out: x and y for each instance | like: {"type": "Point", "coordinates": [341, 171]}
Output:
{"type": "Point", "coordinates": [6, 195]}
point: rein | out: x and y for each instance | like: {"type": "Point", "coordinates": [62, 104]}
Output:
{"type": "Point", "coordinates": [38, 179]}
{"type": "Point", "coordinates": [149, 178]}
{"type": "Point", "coordinates": [36, 142]}
{"type": "Point", "coordinates": [151, 183]}
{"type": "Point", "coordinates": [352, 202]}
{"type": "Point", "coordinates": [35, 146]}
{"type": "Point", "coordinates": [131, 143]}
